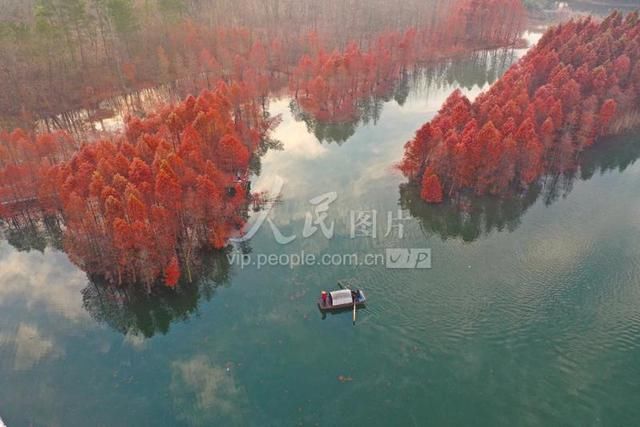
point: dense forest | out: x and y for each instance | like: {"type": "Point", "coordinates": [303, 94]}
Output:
{"type": "Point", "coordinates": [137, 206]}
{"type": "Point", "coordinates": [469, 218]}
{"type": "Point", "coordinates": [478, 68]}
{"type": "Point", "coordinates": [579, 83]}
{"type": "Point", "coordinates": [330, 86]}
{"type": "Point", "coordinates": [63, 55]}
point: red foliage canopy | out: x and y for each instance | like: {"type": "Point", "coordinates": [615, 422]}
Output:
{"type": "Point", "coordinates": [137, 206]}
{"type": "Point", "coordinates": [431, 189]}
{"type": "Point", "coordinates": [538, 117]}
{"type": "Point", "coordinates": [172, 273]}
{"type": "Point", "coordinates": [173, 183]}
{"type": "Point", "coordinates": [330, 86]}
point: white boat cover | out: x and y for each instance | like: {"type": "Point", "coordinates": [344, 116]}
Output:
{"type": "Point", "coordinates": [342, 296]}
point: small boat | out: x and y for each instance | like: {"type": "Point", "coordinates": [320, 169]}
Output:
{"type": "Point", "coordinates": [341, 299]}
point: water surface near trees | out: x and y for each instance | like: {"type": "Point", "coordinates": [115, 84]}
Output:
{"type": "Point", "coordinates": [529, 314]}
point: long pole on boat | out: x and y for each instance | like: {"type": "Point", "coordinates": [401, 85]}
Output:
{"type": "Point", "coordinates": [354, 311]}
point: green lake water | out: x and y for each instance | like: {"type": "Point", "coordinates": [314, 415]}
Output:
{"type": "Point", "coordinates": [530, 314]}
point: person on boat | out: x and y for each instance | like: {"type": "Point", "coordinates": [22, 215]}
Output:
{"type": "Point", "coordinates": [354, 296]}
{"type": "Point", "coordinates": [324, 297]}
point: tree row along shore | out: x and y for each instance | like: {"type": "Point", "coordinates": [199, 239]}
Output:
{"type": "Point", "coordinates": [581, 82]}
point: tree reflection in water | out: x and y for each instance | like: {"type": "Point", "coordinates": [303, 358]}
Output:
{"type": "Point", "coordinates": [470, 217]}
{"type": "Point", "coordinates": [26, 233]}
{"type": "Point", "coordinates": [131, 310]}
{"type": "Point", "coordinates": [477, 69]}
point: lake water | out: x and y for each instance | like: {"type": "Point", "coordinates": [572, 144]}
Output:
{"type": "Point", "coordinates": [530, 314]}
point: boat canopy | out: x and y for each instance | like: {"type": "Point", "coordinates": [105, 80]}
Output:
{"type": "Point", "coordinates": [342, 296]}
